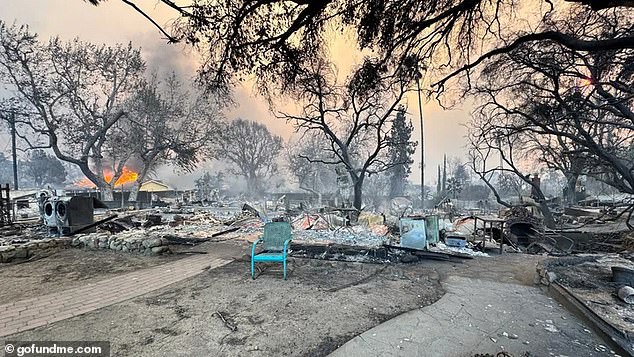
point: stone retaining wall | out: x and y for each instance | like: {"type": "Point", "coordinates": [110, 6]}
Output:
{"type": "Point", "coordinates": [9, 253]}
{"type": "Point", "coordinates": [136, 244]}
{"type": "Point", "coordinates": [43, 247]}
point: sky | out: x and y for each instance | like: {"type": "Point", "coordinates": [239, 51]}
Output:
{"type": "Point", "coordinates": [114, 22]}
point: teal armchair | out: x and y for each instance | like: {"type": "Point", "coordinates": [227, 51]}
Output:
{"type": "Point", "coordinates": [275, 243]}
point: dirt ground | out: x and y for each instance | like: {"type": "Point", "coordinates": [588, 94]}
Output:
{"type": "Point", "coordinates": [67, 268]}
{"type": "Point", "coordinates": [590, 279]}
{"type": "Point", "coordinates": [507, 268]}
{"type": "Point", "coordinates": [322, 305]}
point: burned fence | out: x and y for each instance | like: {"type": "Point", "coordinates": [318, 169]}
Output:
{"type": "Point", "coordinates": [5, 206]}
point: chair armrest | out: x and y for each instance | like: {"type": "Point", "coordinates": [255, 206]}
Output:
{"type": "Point", "coordinates": [253, 247]}
{"type": "Point", "coordinates": [286, 244]}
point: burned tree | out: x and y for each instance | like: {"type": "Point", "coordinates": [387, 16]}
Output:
{"type": "Point", "coordinates": [487, 144]}
{"type": "Point", "coordinates": [576, 105]}
{"type": "Point", "coordinates": [315, 177]}
{"type": "Point", "coordinates": [71, 95]}
{"type": "Point", "coordinates": [355, 118]}
{"type": "Point", "coordinates": [208, 186]}
{"type": "Point", "coordinates": [252, 150]}
{"type": "Point", "coordinates": [574, 108]}
{"type": "Point", "coordinates": [274, 40]}
{"type": "Point", "coordinates": [563, 155]}
{"type": "Point", "coordinates": [44, 169]}
{"type": "Point", "coordinates": [167, 124]}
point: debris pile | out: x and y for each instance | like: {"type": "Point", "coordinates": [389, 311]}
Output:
{"type": "Point", "coordinates": [521, 225]}
{"type": "Point", "coordinates": [149, 232]}
{"type": "Point", "coordinates": [353, 236]}
{"type": "Point", "coordinates": [156, 231]}
{"type": "Point", "coordinates": [341, 252]}
{"type": "Point", "coordinates": [601, 284]}
{"type": "Point", "coordinates": [443, 248]}
{"type": "Point", "coordinates": [153, 235]}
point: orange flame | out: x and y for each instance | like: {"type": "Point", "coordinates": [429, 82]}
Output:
{"type": "Point", "coordinates": [127, 176]}
{"type": "Point", "coordinates": [585, 82]}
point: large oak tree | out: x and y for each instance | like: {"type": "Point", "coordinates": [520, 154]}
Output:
{"type": "Point", "coordinates": [70, 95]}
{"type": "Point", "coordinates": [276, 39]}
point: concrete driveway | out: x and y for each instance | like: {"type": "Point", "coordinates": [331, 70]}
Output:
{"type": "Point", "coordinates": [477, 317]}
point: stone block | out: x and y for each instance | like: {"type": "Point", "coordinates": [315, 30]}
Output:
{"type": "Point", "coordinates": [21, 253]}
{"type": "Point", "coordinates": [160, 250]}
{"type": "Point", "coordinates": [7, 256]}
{"type": "Point", "coordinates": [152, 242]}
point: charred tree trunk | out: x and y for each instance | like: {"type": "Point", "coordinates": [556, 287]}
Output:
{"type": "Point", "coordinates": [549, 221]}
{"type": "Point", "coordinates": [107, 193]}
{"type": "Point", "coordinates": [357, 201]}
{"type": "Point", "coordinates": [134, 192]}
{"type": "Point", "coordinates": [252, 184]}
{"type": "Point", "coordinates": [540, 199]}
{"type": "Point", "coordinates": [571, 188]}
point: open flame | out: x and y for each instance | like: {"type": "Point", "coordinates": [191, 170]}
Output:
{"type": "Point", "coordinates": [127, 176]}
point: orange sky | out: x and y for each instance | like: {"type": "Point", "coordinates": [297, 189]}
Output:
{"type": "Point", "coordinates": [114, 22]}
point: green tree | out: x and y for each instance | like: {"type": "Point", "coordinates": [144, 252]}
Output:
{"type": "Point", "coordinates": [460, 174]}
{"type": "Point", "coordinates": [401, 150]}
{"type": "Point", "coordinates": [444, 174]}
{"type": "Point", "coordinates": [454, 187]}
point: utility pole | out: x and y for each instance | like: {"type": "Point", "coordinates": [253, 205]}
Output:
{"type": "Point", "coordinates": [13, 152]}
{"type": "Point", "coordinates": [422, 144]}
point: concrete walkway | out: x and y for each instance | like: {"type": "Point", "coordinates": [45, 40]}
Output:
{"type": "Point", "coordinates": [34, 312]}
{"type": "Point", "coordinates": [479, 316]}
